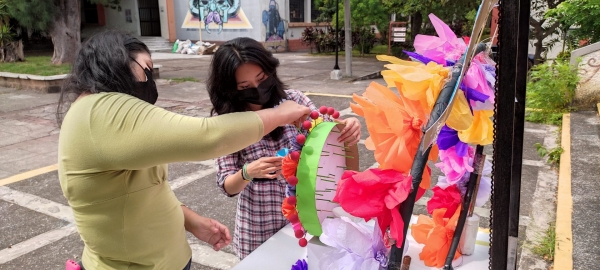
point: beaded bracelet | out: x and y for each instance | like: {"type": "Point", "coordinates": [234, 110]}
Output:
{"type": "Point", "coordinates": [245, 174]}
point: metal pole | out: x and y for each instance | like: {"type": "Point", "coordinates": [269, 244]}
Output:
{"type": "Point", "coordinates": [348, 30]}
{"type": "Point", "coordinates": [337, 34]}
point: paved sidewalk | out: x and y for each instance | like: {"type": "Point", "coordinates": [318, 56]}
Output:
{"type": "Point", "coordinates": [585, 174]}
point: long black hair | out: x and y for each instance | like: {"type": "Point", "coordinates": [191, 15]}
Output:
{"type": "Point", "coordinates": [221, 83]}
{"type": "Point", "coordinates": [103, 64]}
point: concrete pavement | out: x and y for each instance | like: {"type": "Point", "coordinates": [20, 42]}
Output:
{"type": "Point", "coordinates": [36, 230]}
{"type": "Point", "coordinates": [585, 173]}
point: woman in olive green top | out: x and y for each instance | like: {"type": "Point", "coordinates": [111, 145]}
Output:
{"type": "Point", "coordinates": [113, 149]}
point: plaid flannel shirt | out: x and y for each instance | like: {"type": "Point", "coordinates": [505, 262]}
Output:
{"type": "Point", "coordinates": [258, 215]}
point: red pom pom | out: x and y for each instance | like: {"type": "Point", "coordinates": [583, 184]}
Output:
{"type": "Point", "coordinates": [302, 242]}
{"type": "Point", "coordinates": [307, 125]}
{"type": "Point", "coordinates": [292, 180]}
{"type": "Point", "coordinates": [292, 200]}
{"type": "Point", "coordinates": [330, 110]}
{"type": "Point", "coordinates": [301, 138]}
{"type": "Point", "coordinates": [314, 115]}
{"type": "Point", "coordinates": [299, 233]}
{"type": "Point", "coordinates": [323, 110]}
{"type": "Point", "coordinates": [294, 218]}
{"type": "Point", "coordinates": [295, 156]}
{"type": "Point", "coordinates": [336, 115]}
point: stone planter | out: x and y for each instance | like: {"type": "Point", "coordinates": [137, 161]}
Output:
{"type": "Point", "coordinates": [45, 84]}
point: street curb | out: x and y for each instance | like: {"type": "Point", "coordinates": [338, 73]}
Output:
{"type": "Point", "coordinates": [563, 253]}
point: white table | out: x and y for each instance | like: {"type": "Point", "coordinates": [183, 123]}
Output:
{"type": "Point", "coordinates": [281, 251]}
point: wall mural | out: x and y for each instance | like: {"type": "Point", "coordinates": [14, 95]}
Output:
{"type": "Point", "coordinates": [275, 27]}
{"type": "Point", "coordinates": [216, 14]}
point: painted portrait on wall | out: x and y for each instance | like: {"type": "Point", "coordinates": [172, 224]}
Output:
{"type": "Point", "coordinates": [217, 15]}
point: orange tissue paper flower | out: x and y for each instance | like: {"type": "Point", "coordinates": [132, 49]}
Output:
{"type": "Point", "coordinates": [394, 123]}
{"type": "Point", "coordinates": [288, 167]}
{"type": "Point", "coordinates": [436, 234]}
{"type": "Point", "coordinates": [287, 209]}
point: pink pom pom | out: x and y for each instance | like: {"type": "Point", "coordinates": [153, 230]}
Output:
{"type": "Point", "coordinates": [292, 200]}
{"type": "Point", "coordinates": [314, 115]}
{"type": "Point", "coordinates": [299, 234]}
{"type": "Point", "coordinates": [330, 110]}
{"type": "Point", "coordinates": [294, 218]}
{"type": "Point", "coordinates": [336, 115]}
{"type": "Point", "coordinates": [302, 242]}
{"type": "Point", "coordinates": [292, 180]}
{"type": "Point", "coordinates": [295, 156]}
{"type": "Point", "coordinates": [323, 110]}
{"type": "Point", "coordinates": [301, 138]}
{"type": "Point", "coordinates": [307, 125]}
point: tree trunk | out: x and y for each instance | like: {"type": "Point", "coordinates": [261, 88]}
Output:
{"type": "Point", "coordinates": [416, 20]}
{"type": "Point", "coordinates": [13, 52]}
{"type": "Point", "coordinates": [65, 31]}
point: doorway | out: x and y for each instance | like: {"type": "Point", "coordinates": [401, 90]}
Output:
{"type": "Point", "coordinates": [149, 17]}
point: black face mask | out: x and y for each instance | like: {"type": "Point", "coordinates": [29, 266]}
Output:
{"type": "Point", "coordinates": [260, 95]}
{"type": "Point", "coordinates": [146, 91]}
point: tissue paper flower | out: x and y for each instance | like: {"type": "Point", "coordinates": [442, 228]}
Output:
{"type": "Point", "coordinates": [300, 265]}
{"type": "Point", "coordinates": [455, 166]}
{"type": "Point", "coordinates": [485, 184]}
{"type": "Point", "coordinates": [448, 138]}
{"type": "Point", "coordinates": [288, 209]}
{"type": "Point", "coordinates": [481, 131]}
{"type": "Point", "coordinates": [356, 246]}
{"type": "Point", "coordinates": [436, 234]}
{"type": "Point", "coordinates": [475, 79]}
{"type": "Point", "coordinates": [448, 198]}
{"type": "Point", "coordinates": [375, 193]}
{"type": "Point", "coordinates": [394, 123]}
{"type": "Point", "coordinates": [419, 83]}
{"type": "Point", "coordinates": [288, 167]}
{"type": "Point", "coordinates": [446, 46]}
{"type": "Point", "coordinates": [460, 117]}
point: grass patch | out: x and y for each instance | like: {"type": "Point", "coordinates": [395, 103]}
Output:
{"type": "Point", "coordinates": [36, 65]}
{"type": "Point", "coordinates": [552, 154]}
{"type": "Point", "coordinates": [545, 248]}
{"type": "Point", "coordinates": [185, 79]}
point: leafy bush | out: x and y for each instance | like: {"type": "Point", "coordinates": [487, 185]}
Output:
{"type": "Point", "coordinates": [364, 39]}
{"type": "Point", "coordinates": [322, 41]}
{"type": "Point", "coordinates": [550, 91]}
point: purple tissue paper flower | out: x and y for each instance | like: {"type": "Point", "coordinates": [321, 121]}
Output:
{"type": "Point", "coordinates": [300, 265]}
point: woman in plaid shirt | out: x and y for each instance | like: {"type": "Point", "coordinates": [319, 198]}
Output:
{"type": "Point", "coordinates": [243, 77]}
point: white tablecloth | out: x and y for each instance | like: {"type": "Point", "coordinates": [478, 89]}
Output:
{"type": "Point", "coordinates": [281, 251]}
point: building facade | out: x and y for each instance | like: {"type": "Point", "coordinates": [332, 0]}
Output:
{"type": "Point", "coordinates": [276, 23]}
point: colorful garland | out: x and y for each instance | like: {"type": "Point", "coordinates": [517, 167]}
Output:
{"type": "Point", "coordinates": [294, 170]}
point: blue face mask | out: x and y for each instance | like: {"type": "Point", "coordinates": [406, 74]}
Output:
{"type": "Point", "coordinates": [261, 94]}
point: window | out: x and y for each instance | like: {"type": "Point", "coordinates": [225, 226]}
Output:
{"type": "Point", "coordinates": [314, 11]}
{"type": "Point", "coordinates": [296, 10]}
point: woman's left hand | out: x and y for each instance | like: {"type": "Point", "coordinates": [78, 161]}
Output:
{"type": "Point", "coordinates": [350, 133]}
{"type": "Point", "coordinates": [211, 232]}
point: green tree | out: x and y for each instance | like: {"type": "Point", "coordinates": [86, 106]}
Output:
{"type": "Point", "coordinates": [364, 14]}
{"type": "Point", "coordinates": [61, 18]}
{"type": "Point", "coordinates": [418, 10]}
{"type": "Point", "coordinates": [327, 8]}
{"type": "Point", "coordinates": [542, 28]}
{"type": "Point", "coordinates": [582, 14]}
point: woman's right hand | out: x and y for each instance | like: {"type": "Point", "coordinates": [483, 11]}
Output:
{"type": "Point", "coordinates": [266, 167]}
{"type": "Point", "coordinates": [293, 112]}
